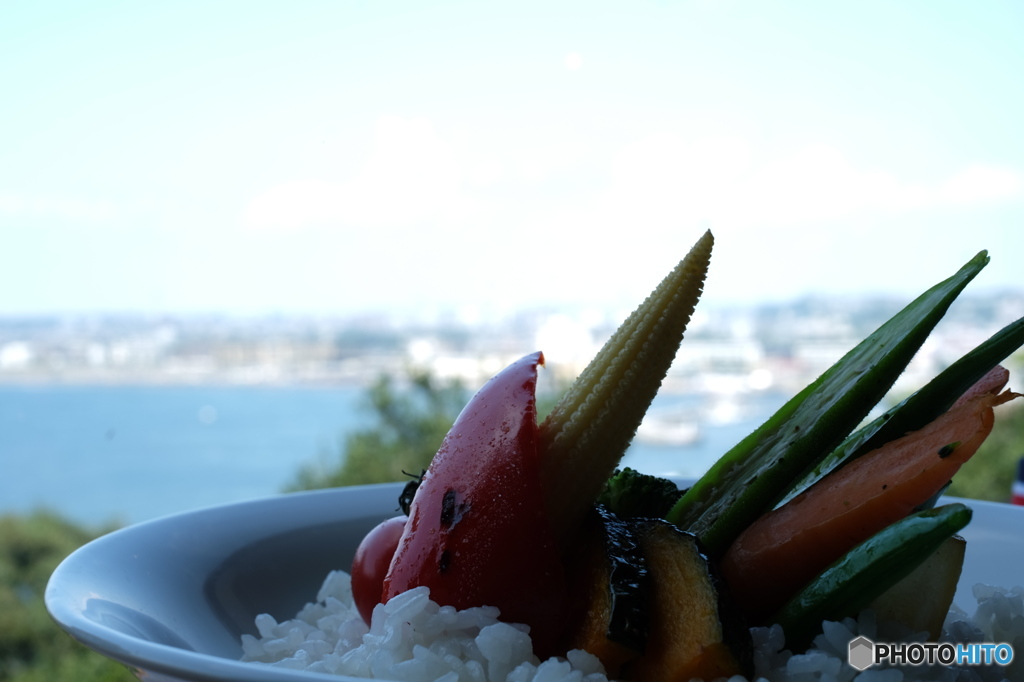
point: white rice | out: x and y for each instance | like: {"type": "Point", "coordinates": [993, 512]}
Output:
{"type": "Point", "coordinates": [412, 639]}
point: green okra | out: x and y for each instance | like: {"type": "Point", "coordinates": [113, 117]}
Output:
{"type": "Point", "coordinates": [921, 408]}
{"type": "Point", "coordinates": [748, 480]}
{"type": "Point", "coordinates": [868, 570]}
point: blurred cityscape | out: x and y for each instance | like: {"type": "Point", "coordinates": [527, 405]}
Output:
{"type": "Point", "coordinates": [728, 350]}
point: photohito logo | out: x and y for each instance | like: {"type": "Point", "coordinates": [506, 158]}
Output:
{"type": "Point", "coordinates": [864, 653]}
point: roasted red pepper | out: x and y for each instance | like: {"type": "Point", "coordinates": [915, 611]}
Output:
{"type": "Point", "coordinates": [478, 533]}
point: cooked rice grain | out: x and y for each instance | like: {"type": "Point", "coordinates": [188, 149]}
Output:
{"type": "Point", "coordinates": [412, 639]}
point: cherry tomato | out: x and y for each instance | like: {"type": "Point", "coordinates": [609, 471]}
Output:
{"type": "Point", "coordinates": [371, 562]}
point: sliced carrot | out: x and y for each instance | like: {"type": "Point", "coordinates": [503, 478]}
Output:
{"type": "Point", "coordinates": [994, 381]}
{"type": "Point", "coordinates": [787, 547]}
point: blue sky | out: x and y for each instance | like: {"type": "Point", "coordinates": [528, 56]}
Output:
{"type": "Point", "coordinates": [337, 157]}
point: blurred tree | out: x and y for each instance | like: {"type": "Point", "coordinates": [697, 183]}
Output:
{"type": "Point", "coordinates": [409, 425]}
{"type": "Point", "coordinates": [408, 428]}
{"type": "Point", "coordinates": [32, 647]}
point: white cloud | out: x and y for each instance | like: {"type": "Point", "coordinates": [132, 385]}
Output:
{"type": "Point", "coordinates": [485, 198]}
{"type": "Point", "coordinates": [668, 179]}
{"type": "Point", "coordinates": [983, 184]}
{"type": "Point", "coordinates": [410, 176]}
{"type": "Point", "coordinates": [664, 190]}
{"type": "Point", "coordinates": [62, 207]}
{"type": "Point", "coordinates": [537, 164]}
{"type": "Point", "coordinates": [296, 203]}
{"type": "Point", "coordinates": [820, 183]}
{"type": "Point", "coordinates": [665, 175]}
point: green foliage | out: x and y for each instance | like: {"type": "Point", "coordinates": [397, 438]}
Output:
{"type": "Point", "coordinates": [405, 432]}
{"type": "Point", "coordinates": [32, 647]}
{"type": "Point", "coordinates": [989, 474]}
{"type": "Point", "coordinates": [406, 427]}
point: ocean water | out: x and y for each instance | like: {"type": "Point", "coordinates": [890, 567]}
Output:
{"type": "Point", "coordinates": [125, 454]}
{"type": "Point", "coordinates": [129, 453]}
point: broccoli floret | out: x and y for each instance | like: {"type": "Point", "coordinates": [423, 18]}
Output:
{"type": "Point", "coordinates": [631, 494]}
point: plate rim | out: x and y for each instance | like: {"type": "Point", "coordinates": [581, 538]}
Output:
{"type": "Point", "coordinates": [191, 665]}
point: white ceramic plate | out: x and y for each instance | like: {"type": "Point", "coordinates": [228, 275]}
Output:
{"type": "Point", "coordinates": [171, 598]}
